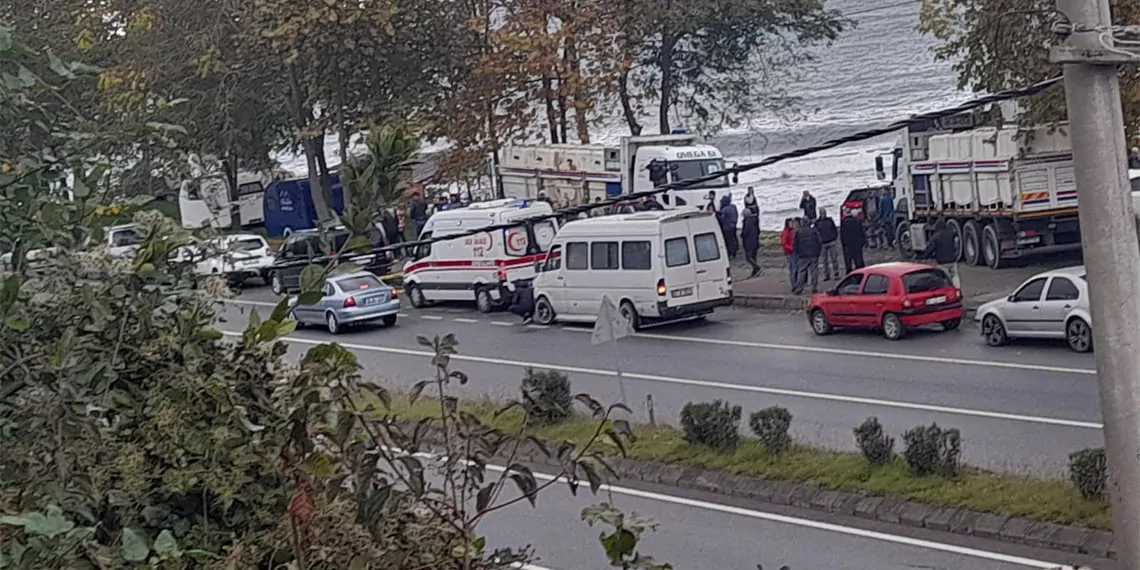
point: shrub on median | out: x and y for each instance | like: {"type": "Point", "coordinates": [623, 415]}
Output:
{"type": "Point", "coordinates": [711, 424]}
{"type": "Point", "coordinates": [546, 396]}
{"type": "Point", "coordinates": [771, 427]}
{"type": "Point", "coordinates": [1088, 469]}
{"type": "Point", "coordinates": [877, 446]}
{"type": "Point", "coordinates": [931, 450]}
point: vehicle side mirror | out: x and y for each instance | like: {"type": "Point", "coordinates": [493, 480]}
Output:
{"type": "Point", "coordinates": [1011, 299]}
{"type": "Point", "coordinates": [833, 292]}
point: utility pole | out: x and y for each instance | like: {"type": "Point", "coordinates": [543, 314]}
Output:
{"type": "Point", "coordinates": [1112, 258]}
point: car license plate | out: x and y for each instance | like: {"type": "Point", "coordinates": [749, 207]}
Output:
{"type": "Point", "coordinates": [683, 292]}
{"type": "Point", "coordinates": [936, 300]}
{"type": "Point", "coordinates": [372, 301]}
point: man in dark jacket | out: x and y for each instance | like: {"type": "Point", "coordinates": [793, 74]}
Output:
{"type": "Point", "coordinates": [942, 249]}
{"type": "Point", "coordinates": [728, 217]}
{"type": "Point", "coordinates": [807, 204]}
{"type": "Point", "coordinates": [750, 239]}
{"type": "Point", "coordinates": [851, 234]}
{"type": "Point", "coordinates": [829, 236]}
{"type": "Point", "coordinates": [418, 212]}
{"type": "Point", "coordinates": [807, 246]}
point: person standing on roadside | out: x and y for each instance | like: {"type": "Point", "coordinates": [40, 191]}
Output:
{"type": "Point", "coordinates": [943, 251]}
{"type": "Point", "coordinates": [887, 215]}
{"type": "Point", "coordinates": [711, 199]}
{"type": "Point", "coordinates": [807, 204]}
{"type": "Point", "coordinates": [728, 218]}
{"type": "Point", "coordinates": [418, 212]}
{"type": "Point", "coordinates": [807, 246]}
{"type": "Point", "coordinates": [750, 239]}
{"type": "Point", "coordinates": [851, 234]}
{"type": "Point", "coordinates": [829, 237]}
{"type": "Point", "coordinates": [787, 241]}
{"type": "Point", "coordinates": [750, 203]}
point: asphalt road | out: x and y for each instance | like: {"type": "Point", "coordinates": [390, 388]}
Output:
{"type": "Point", "coordinates": [700, 532]}
{"type": "Point", "coordinates": [1021, 408]}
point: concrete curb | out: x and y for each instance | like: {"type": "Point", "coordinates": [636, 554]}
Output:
{"type": "Point", "coordinates": [796, 304]}
{"type": "Point", "coordinates": [893, 510]}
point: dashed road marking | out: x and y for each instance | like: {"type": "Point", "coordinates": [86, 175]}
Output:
{"type": "Point", "coordinates": [431, 318]}
{"type": "Point", "coordinates": [458, 320]}
{"type": "Point", "coordinates": [720, 385]}
{"type": "Point", "coordinates": [539, 327]}
{"type": "Point", "coordinates": [502, 324]}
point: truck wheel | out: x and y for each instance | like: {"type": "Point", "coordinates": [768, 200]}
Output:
{"type": "Point", "coordinates": [956, 227]}
{"type": "Point", "coordinates": [902, 239]}
{"type": "Point", "coordinates": [971, 245]}
{"type": "Point", "coordinates": [991, 247]}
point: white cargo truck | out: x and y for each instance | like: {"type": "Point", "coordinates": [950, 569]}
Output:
{"type": "Point", "coordinates": [577, 174]}
{"type": "Point", "coordinates": [1005, 192]}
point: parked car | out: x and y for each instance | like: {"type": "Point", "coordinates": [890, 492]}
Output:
{"type": "Point", "coordinates": [238, 257]}
{"type": "Point", "coordinates": [302, 246]}
{"type": "Point", "coordinates": [350, 299]}
{"type": "Point", "coordinates": [1053, 304]}
{"type": "Point", "coordinates": [893, 297]}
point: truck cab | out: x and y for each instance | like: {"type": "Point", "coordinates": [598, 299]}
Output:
{"type": "Point", "coordinates": [655, 160]}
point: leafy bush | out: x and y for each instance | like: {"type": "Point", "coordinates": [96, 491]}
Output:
{"type": "Point", "coordinates": [931, 450]}
{"type": "Point", "coordinates": [712, 424]}
{"type": "Point", "coordinates": [877, 447]}
{"type": "Point", "coordinates": [771, 426]}
{"type": "Point", "coordinates": [546, 396]}
{"type": "Point", "coordinates": [1088, 469]}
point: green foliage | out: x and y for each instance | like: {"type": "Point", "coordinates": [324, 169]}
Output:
{"type": "Point", "coordinates": [931, 450]}
{"type": "Point", "coordinates": [712, 424]}
{"type": "Point", "coordinates": [376, 181]}
{"type": "Point", "coordinates": [771, 427]}
{"type": "Point", "coordinates": [1088, 469]}
{"type": "Point", "coordinates": [874, 443]}
{"type": "Point", "coordinates": [620, 544]}
{"type": "Point", "coordinates": [546, 396]}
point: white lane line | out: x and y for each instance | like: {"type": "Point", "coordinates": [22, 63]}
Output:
{"type": "Point", "coordinates": [720, 385]}
{"type": "Point", "coordinates": [253, 303]}
{"type": "Point", "coordinates": [539, 327]}
{"type": "Point", "coordinates": [577, 329]}
{"type": "Point", "coordinates": [502, 324]}
{"type": "Point", "coordinates": [431, 318]}
{"type": "Point", "coordinates": [821, 350]}
{"type": "Point", "coordinates": [403, 315]}
{"type": "Point", "coordinates": [816, 525]}
{"type": "Point", "coordinates": [885, 355]}
{"type": "Point", "coordinates": [459, 320]}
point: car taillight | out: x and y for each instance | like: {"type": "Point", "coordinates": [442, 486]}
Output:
{"type": "Point", "coordinates": [728, 275]}
{"type": "Point", "coordinates": [502, 275]}
{"type": "Point", "coordinates": [661, 290]}
{"type": "Point", "coordinates": [350, 302]}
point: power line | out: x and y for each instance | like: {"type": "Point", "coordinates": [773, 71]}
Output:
{"type": "Point", "coordinates": [574, 211]}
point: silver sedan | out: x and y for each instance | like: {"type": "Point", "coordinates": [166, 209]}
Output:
{"type": "Point", "coordinates": [350, 299]}
{"type": "Point", "coordinates": [1053, 304]}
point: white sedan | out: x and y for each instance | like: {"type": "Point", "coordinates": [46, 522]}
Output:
{"type": "Point", "coordinates": [1053, 304]}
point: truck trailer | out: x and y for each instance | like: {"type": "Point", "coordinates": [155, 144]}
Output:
{"type": "Point", "coordinates": [579, 173]}
{"type": "Point", "coordinates": [1006, 192]}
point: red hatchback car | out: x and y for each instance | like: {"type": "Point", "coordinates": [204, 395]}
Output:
{"type": "Point", "coordinates": [893, 297]}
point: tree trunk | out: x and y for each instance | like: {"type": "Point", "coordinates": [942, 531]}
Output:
{"type": "Point", "coordinates": [561, 113]}
{"type": "Point", "coordinates": [551, 117]}
{"type": "Point", "coordinates": [581, 105]}
{"type": "Point", "coordinates": [626, 104]}
{"type": "Point", "coordinates": [665, 63]}
{"type": "Point", "coordinates": [342, 128]}
{"type": "Point", "coordinates": [313, 149]}
{"type": "Point", "coordinates": [325, 177]}
{"type": "Point", "coordinates": [230, 169]}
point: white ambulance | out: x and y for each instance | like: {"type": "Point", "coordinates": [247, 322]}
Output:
{"type": "Point", "coordinates": [478, 267]}
{"type": "Point", "coordinates": [657, 266]}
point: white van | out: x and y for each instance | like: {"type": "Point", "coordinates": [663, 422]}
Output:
{"type": "Point", "coordinates": [658, 266]}
{"type": "Point", "coordinates": [479, 267]}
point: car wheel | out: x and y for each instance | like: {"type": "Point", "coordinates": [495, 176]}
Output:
{"type": "Point", "coordinates": [951, 324]}
{"type": "Point", "coordinates": [416, 296]}
{"type": "Point", "coordinates": [389, 320]}
{"type": "Point", "coordinates": [994, 331]}
{"type": "Point", "coordinates": [1079, 335]}
{"type": "Point", "coordinates": [543, 311]}
{"type": "Point", "coordinates": [483, 300]}
{"type": "Point", "coordinates": [991, 247]}
{"type": "Point", "coordinates": [819, 323]}
{"type": "Point", "coordinates": [629, 313]}
{"type": "Point", "coordinates": [275, 283]}
{"type": "Point", "coordinates": [971, 244]}
{"type": "Point", "coordinates": [893, 327]}
{"type": "Point", "coordinates": [332, 323]}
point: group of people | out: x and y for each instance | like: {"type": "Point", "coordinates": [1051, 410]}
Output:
{"type": "Point", "coordinates": [813, 242]}
{"type": "Point", "coordinates": [729, 218]}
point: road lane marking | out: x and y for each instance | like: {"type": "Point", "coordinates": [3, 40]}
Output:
{"type": "Point", "coordinates": [469, 321]}
{"type": "Point", "coordinates": [721, 385]}
{"type": "Point", "coordinates": [431, 318]}
{"type": "Point", "coordinates": [403, 315]}
{"type": "Point", "coordinates": [502, 324]}
{"type": "Point", "coordinates": [254, 303]}
{"type": "Point", "coordinates": [822, 350]}
{"type": "Point", "coordinates": [538, 327]}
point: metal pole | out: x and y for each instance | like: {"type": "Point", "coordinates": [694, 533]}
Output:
{"type": "Point", "coordinates": [1096, 124]}
{"type": "Point", "coordinates": [617, 365]}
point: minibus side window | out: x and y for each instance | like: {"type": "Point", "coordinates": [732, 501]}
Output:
{"type": "Point", "coordinates": [577, 256]}
{"type": "Point", "coordinates": [604, 255]}
{"type": "Point", "coordinates": [636, 255]}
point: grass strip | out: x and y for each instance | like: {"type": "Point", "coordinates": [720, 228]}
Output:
{"type": "Point", "coordinates": [975, 489]}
